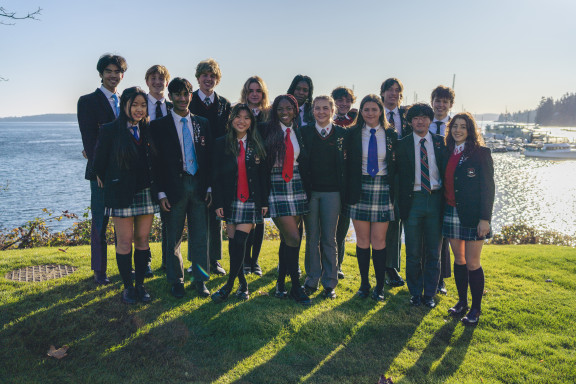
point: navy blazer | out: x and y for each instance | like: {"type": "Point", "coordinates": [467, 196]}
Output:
{"type": "Point", "coordinates": [225, 176]}
{"type": "Point", "coordinates": [405, 166]}
{"type": "Point", "coordinates": [120, 182]}
{"type": "Point", "coordinates": [94, 110]}
{"type": "Point", "coordinates": [222, 113]}
{"type": "Point", "coordinates": [170, 163]}
{"type": "Point", "coordinates": [308, 133]}
{"type": "Point", "coordinates": [354, 154]}
{"type": "Point", "coordinates": [474, 187]}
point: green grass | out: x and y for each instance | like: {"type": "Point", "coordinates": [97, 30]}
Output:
{"type": "Point", "coordinates": [527, 330]}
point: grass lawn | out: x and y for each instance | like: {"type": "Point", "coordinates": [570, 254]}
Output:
{"type": "Point", "coordinates": [527, 332]}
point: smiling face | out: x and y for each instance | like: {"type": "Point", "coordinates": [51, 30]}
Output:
{"type": "Point", "coordinates": [301, 92]}
{"type": "Point", "coordinates": [136, 110]}
{"type": "Point", "coordinates": [343, 105]}
{"type": "Point", "coordinates": [459, 131]}
{"type": "Point", "coordinates": [323, 112]}
{"type": "Point", "coordinates": [420, 124]}
{"type": "Point", "coordinates": [111, 77]}
{"type": "Point", "coordinates": [254, 96]}
{"type": "Point", "coordinates": [441, 107]}
{"type": "Point", "coordinates": [181, 101]}
{"type": "Point", "coordinates": [371, 114]}
{"type": "Point", "coordinates": [207, 81]}
{"type": "Point", "coordinates": [285, 112]}
{"type": "Point", "coordinates": [156, 85]}
{"type": "Point", "coordinates": [241, 123]}
{"type": "Point", "coordinates": [392, 96]}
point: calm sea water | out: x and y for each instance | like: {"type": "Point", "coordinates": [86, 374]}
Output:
{"type": "Point", "coordinates": [41, 166]}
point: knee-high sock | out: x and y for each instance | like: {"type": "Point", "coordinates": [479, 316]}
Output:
{"type": "Point", "coordinates": [461, 280]}
{"type": "Point", "coordinates": [282, 264]}
{"type": "Point", "coordinates": [363, 256]}
{"type": "Point", "coordinates": [141, 260]}
{"type": "Point", "coordinates": [291, 255]}
{"type": "Point", "coordinates": [236, 247]}
{"type": "Point", "coordinates": [240, 239]}
{"type": "Point", "coordinates": [476, 281]}
{"type": "Point", "coordinates": [124, 262]}
{"type": "Point", "coordinates": [249, 244]}
{"type": "Point", "coordinates": [257, 243]}
{"type": "Point", "coordinates": [379, 260]}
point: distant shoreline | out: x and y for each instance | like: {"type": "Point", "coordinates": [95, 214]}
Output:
{"type": "Point", "coordinates": [46, 118]}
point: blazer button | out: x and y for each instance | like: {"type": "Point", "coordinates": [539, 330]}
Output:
{"type": "Point", "coordinates": [456, 190]}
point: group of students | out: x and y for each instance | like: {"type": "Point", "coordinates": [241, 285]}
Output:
{"type": "Point", "coordinates": [308, 163]}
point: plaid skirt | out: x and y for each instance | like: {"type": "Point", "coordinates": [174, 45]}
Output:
{"type": "Point", "coordinates": [142, 204]}
{"type": "Point", "coordinates": [374, 205]}
{"type": "Point", "coordinates": [452, 228]}
{"type": "Point", "coordinates": [287, 198]}
{"type": "Point", "coordinates": [244, 213]}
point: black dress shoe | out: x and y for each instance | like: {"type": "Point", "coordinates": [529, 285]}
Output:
{"type": "Point", "coordinates": [220, 295]}
{"type": "Point", "coordinates": [394, 279]}
{"type": "Point", "coordinates": [308, 289]}
{"type": "Point", "coordinates": [329, 293]}
{"type": "Point", "coordinates": [178, 290]}
{"type": "Point", "coordinates": [459, 308]}
{"type": "Point", "coordinates": [101, 278]}
{"type": "Point", "coordinates": [216, 267]}
{"type": "Point", "coordinates": [256, 269]}
{"type": "Point", "coordinates": [247, 269]}
{"type": "Point", "coordinates": [200, 287]}
{"type": "Point", "coordinates": [148, 272]}
{"type": "Point", "coordinates": [129, 296]}
{"type": "Point", "coordinates": [340, 274]}
{"type": "Point", "coordinates": [472, 318]}
{"type": "Point", "coordinates": [428, 301]}
{"type": "Point", "coordinates": [416, 300]}
{"type": "Point", "coordinates": [442, 287]}
{"type": "Point", "coordinates": [243, 293]}
{"type": "Point", "coordinates": [364, 291]}
{"type": "Point", "coordinates": [281, 292]}
{"type": "Point", "coordinates": [377, 295]}
{"type": "Point", "coordinates": [298, 294]}
{"type": "Point", "coordinates": [142, 294]}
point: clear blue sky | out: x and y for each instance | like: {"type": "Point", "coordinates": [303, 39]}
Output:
{"type": "Point", "coordinates": [504, 53]}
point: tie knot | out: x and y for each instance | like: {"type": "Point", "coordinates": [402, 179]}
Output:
{"type": "Point", "coordinates": [114, 97]}
{"type": "Point", "coordinates": [158, 103]}
{"type": "Point", "coordinates": [287, 131]}
{"type": "Point", "coordinates": [422, 141]}
{"type": "Point", "coordinates": [183, 120]}
{"type": "Point", "coordinates": [372, 131]}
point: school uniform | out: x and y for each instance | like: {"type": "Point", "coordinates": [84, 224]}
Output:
{"type": "Point", "coordinates": [326, 189]}
{"type": "Point", "coordinates": [420, 205]}
{"type": "Point", "coordinates": [94, 110]}
{"type": "Point", "coordinates": [184, 171]}
{"type": "Point", "coordinates": [217, 111]}
{"type": "Point", "coordinates": [345, 120]}
{"type": "Point", "coordinates": [438, 127]}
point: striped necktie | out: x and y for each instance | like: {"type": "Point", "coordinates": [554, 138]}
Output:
{"type": "Point", "coordinates": [424, 169]}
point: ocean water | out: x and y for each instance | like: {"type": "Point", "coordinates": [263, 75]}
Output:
{"type": "Point", "coordinates": [41, 166]}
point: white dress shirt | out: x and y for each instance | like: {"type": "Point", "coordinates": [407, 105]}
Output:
{"type": "Point", "coordinates": [381, 142]}
{"type": "Point", "coordinates": [295, 144]}
{"type": "Point", "coordinates": [433, 172]}
{"type": "Point", "coordinates": [397, 121]}
{"type": "Point", "coordinates": [203, 97]}
{"type": "Point", "coordinates": [152, 107]}
{"type": "Point", "coordinates": [301, 109]}
{"type": "Point", "coordinates": [108, 95]}
{"type": "Point", "coordinates": [434, 127]}
{"type": "Point", "coordinates": [328, 128]}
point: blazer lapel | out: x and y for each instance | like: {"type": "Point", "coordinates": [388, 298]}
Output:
{"type": "Point", "coordinates": [411, 152]}
{"type": "Point", "coordinates": [105, 104]}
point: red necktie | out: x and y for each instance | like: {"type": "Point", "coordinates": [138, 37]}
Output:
{"type": "Point", "coordinates": [288, 166]}
{"type": "Point", "coordinates": [242, 192]}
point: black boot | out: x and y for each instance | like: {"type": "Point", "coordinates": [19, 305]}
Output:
{"type": "Point", "coordinates": [296, 292]}
{"type": "Point", "coordinates": [125, 268]}
{"type": "Point", "coordinates": [141, 264]}
{"type": "Point", "coordinates": [379, 260]}
{"type": "Point", "coordinates": [363, 256]}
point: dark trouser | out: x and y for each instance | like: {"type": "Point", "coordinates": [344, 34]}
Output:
{"type": "Point", "coordinates": [423, 224]}
{"type": "Point", "coordinates": [321, 259]}
{"type": "Point", "coordinates": [98, 232]}
{"type": "Point", "coordinates": [215, 237]}
{"type": "Point", "coordinates": [341, 233]}
{"type": "Point", "coordinates": [394, 235]}
{"type": "Point", "coordinates": [192, 207]}
{"type": "Point", "coordinates": [164, 236]}
{"type": "Point", "coordinates": [445, 266]}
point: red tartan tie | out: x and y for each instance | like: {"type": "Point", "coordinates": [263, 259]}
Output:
{"type": "Point", "coordinates": [288, 166]}
{"type": "Point", "coordinates": [242, 191]}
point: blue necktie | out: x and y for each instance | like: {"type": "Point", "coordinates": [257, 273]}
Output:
{"type": "Point", "coordinates": [373, 154]}
{"type": "Point", "coordinates": [189, 151]}
{"type": "Point", "coordinates": [135, 132]}
{"type": "Point", "coordinates": [116, 105]}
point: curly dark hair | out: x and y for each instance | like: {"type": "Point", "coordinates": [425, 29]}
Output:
{"type": "Point", "coordinates": [273, 134]}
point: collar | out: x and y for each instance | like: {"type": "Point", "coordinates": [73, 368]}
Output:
{"type": "Point", "coordinates": [417, 138]}
{"type": "Point", "coordinates": [153, 100]}
{"type": "Point", "coordinates": [301, 108]}
{"type": "Point", "coordinates": [367, 128]}
{"type": "Point", "coordinates": [203, 96]}
{"type": "Point", "coordinates": [284, 128]}
{"type": "Point", "coordinates": [107, 93]}
{"type": "Point", "coordinates": [444, 120]}
{"type": "Point", "coordinates": [177, 117]}
{"type": "Point", "coordinates": [395, 110]}
{"type": "Point", "coordinates": [459, 148]}
{"type": "Point", "coordinates": [243, 140]}
{"type": "Point", "coordinates": [328, 128]}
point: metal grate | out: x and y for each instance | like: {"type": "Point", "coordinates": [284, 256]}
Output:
{"type": "Point", "coordinates": [40, 273]}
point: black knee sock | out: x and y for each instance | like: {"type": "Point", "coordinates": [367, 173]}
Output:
{"type": "Point", "coordinates": [257, 242]}
{"type": "Point", "coordinates": [248, 251]}
{"type": "Point", "coordinates": [292, 254]}
{"type": "Point", "coordinates": [240, 240]}
{"type": "Point", "coordinates": [282, 265]}
{"type": "Point", "coordinates": [141, 260]}
{"type": "Point", "coordinates": [476, 281]}
{"type": "Point", "coordinates": [125, 268]}
{"type": "Point", "coordinates": [236, 248]}
{"type": "Point", "coordinates": [363, 256]}
{"type": "Point", "coordinates": [461, 280]}
{"type": "Point", "coordinates": [379, 260]}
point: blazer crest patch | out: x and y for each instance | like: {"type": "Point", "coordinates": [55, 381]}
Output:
{"type": "Point", "coordinates": [471, 172]}
{"type": "Point", "coordinates": [196, 130]}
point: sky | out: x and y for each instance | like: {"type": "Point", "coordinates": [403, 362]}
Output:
{"type": "Point", "coordinates": [504, 54]}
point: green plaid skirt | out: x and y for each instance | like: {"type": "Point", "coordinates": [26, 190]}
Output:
{"type": "Point", "coordinates": [287, 198]}
{"type": "Point", "coordinates": [142, 204]}
{"type": "Point", "coordinates": [374, 205]}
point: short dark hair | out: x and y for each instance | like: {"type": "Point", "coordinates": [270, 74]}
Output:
{"type": "Point", "coordinates": [442, 92]}
{"type": "Point", "coordinates": [390, 82]}
{"type": "Point", "coordinates": [419, 109]}
{"type": "Point", "coordinates": [340, 92]}
{"type": "Point", "coordinates": [107, 59]}
{"type": "Point", "coordinates": [179, 84]}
